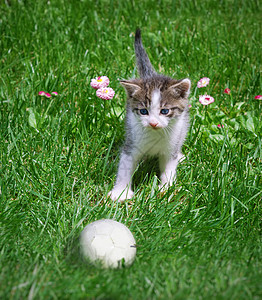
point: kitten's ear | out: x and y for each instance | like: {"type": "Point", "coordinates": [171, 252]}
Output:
{"type": "Point", "coordinates": [132, 87]}
{"type": "Point", "coordinates": [181, 88]}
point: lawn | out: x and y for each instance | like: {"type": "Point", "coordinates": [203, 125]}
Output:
{"type": "Point", "coordinates": [58, 156]}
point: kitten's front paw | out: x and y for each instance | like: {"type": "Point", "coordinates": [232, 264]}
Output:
{"type": "Point", "coordinates": [120, 195]}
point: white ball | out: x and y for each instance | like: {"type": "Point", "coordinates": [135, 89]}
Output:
{"type": "Point", "coordinates": [108, 242]}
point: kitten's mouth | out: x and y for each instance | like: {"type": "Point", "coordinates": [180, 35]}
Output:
{"type": "Point", "coordinates": [154, 127]}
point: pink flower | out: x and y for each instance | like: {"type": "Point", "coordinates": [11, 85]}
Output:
{"type": "Point", "coordinates": [41, 93]}
{"type": "Point", "coordinates": [105, 93]}
{"type": "Point", "coordinates": [189, 105]}
{"type": "Point", "coordinates": [203, 82]}
{"type": "Point", "coordinates": [99, 82]}
{"type": "Point", "coordinates": [48, 95]}
{"type": "Point", "coordinates": [220, 126]}
{"type": "Point", "coordinates": [206, 99]}
{"type": "Point", "coordinates": [259, 97]}
{"type": "Point", "coordinates": [55, 93]}
{"type": "Point", "coordinates": [227, 91]}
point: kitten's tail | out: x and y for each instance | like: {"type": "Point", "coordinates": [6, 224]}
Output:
{"type": "Point", "coordinates": [143, 63]}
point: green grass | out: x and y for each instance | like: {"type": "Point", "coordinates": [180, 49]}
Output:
{"type": "Point", "coordinates": [58, 157]}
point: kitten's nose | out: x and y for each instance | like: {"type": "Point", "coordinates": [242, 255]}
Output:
{"type": "Point", "coordinates": [153, 124]}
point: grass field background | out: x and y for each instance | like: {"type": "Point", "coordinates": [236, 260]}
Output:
{"type": "Point", "coordinates": [58, 156]}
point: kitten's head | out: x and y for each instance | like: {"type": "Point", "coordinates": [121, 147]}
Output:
{"type": "Point", "coordinates": [158, 100]}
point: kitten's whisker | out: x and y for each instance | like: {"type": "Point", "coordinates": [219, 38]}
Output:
{"type": "Point", "coordinates": [168, 131]}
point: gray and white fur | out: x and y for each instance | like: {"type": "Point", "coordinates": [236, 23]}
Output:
{"type": "Point", "coordinates": [157, 121]}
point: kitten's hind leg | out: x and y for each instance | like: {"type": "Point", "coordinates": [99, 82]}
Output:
{"type": "Point", "coordinates": [168, 169]}
{"type": "Point", "coordinates": [122, 189]}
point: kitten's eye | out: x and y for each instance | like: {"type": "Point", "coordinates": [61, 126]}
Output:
{"type": "Point", "coordinates": [164, 111]}
{"type": "Point", "coordinates": [143, 111]}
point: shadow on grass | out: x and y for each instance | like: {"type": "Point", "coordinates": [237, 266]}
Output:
{"type": "Point", "coordinates": [147, 168]}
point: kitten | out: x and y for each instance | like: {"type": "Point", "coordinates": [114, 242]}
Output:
{"type": "Point", "coordinates": [157, 121]}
